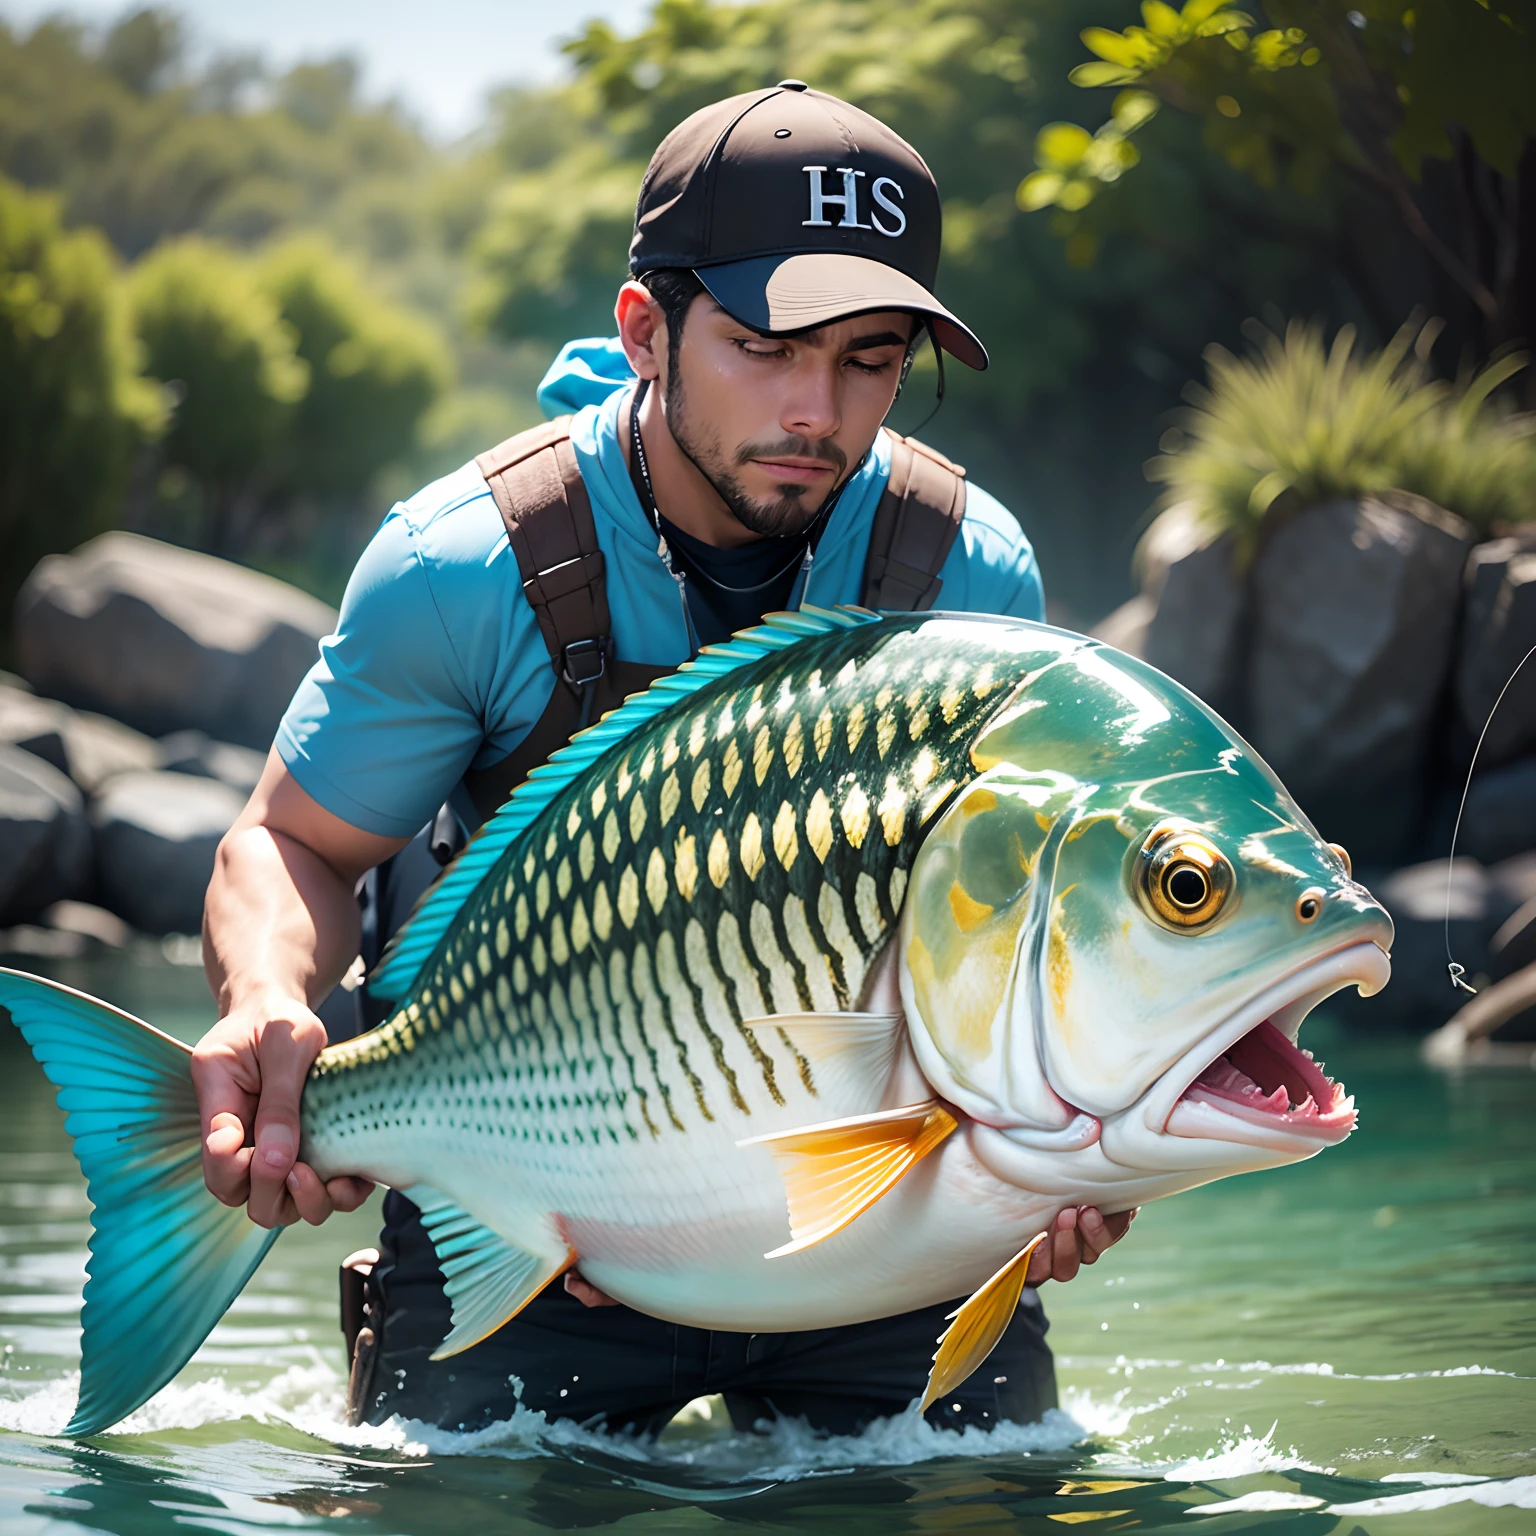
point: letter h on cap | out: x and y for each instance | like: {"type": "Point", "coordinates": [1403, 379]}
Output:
{"type": "Point", "coordinates": [848, 201]}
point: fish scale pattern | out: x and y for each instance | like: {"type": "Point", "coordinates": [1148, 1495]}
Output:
{"type": "Point", "coordinates": [743, 853]}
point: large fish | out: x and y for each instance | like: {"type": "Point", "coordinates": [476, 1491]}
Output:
{"type": "Point", "coordinates": [804, 989]}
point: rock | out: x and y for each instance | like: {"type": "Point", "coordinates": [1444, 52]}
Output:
{"type": "Point", "coordinates": [192, 752]}
{"type": "Point", "coordinates": [1195, 634]}
{"type": "Point", "coordinates": [89, 748]}
{"type": "Point", "coordinates": [1498, 630]}
{"type": "Point", "coordinates": [165, 639]}
{"type": "Point", "coordinates": [45, 842]}
{"type": "Point", "coordinates": [1355, 605]}
{"type": "Point", "coordinates": [1420, 996]}
{"type": "Point", "coordinates": [1513, 945]}
{"type": "Point", "coordinates": [93, 923]}
{"type": "Point", "coordinates": [1500, 816]}
{"type": "Point", "coordinates": [1126, 627]}
{"type": "Point", "coordinates": [156, 834]}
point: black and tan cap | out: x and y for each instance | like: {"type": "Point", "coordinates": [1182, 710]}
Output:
{"type": "Point", "coordinates": [796, 209]}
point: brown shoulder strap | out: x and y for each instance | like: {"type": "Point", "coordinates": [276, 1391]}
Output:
{"type": "Point", "coordinates": [548, 515]}
{"type": "Point", "coordinates": [914, 528]}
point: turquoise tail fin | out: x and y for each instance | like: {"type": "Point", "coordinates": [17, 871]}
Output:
{"type": "Point", "coordinates": [167, 1259]}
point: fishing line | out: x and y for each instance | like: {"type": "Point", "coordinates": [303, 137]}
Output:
{"type": "Point", "coordinates": [1456, 972]}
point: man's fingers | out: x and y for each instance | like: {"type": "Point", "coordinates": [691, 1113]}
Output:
{"type": "Point", "coordinates": [310, 1196]}
{"type": "Point", "coordinates": [226, 1108]}
{"type": "Point", "coordinates": [1095, 1236]}
{"type": "Point", "coordinates": [585, 1292]}
{"type": "Point", "coordinates": [1063, 1244]}
{"type": "Point", "coordinates": [227, 1160]}
{"type": "Point", "coordinates": [286, 1049]}
{"type": "Point", "coordinates": [347, 1193]}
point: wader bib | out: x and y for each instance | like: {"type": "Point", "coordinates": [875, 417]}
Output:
{"type": "Point", "coordinates": [612, 1365]}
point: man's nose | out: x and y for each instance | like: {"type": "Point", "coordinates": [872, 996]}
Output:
{"type": "Point", "coordinates": [811, 407]}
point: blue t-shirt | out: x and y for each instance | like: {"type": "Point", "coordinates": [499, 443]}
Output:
{"type": "Point", "coordinates": [437, 664]}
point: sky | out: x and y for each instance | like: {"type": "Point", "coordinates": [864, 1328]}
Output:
{"type": "Point", "coordinates": [440, 58]}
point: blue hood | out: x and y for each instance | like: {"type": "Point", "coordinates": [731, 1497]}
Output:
{"type": "Point", "coordinates": [584, 372]}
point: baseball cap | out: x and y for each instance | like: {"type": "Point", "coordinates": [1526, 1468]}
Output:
{"type": "Point", "coordinates": [795, 209]}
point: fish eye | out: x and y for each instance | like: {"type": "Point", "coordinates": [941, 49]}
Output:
{"type": "Point", "coordinates": [1183, 879]}
{"type": "Point", "coordinates": [1309, 904]}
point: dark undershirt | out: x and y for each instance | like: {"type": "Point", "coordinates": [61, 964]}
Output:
{"type": "Point", "coordinates": [766, 567]}
{"type": "Point", "coordinates": [717, 612]}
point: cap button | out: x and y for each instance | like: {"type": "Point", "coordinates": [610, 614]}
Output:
{"type": "Point", "coordinates": [793, 85]}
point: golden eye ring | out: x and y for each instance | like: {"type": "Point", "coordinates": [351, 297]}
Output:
{"type": "Point", "coordinates": [1184, 881]}
{"type": "Point", "coordinates": [1309, 904]}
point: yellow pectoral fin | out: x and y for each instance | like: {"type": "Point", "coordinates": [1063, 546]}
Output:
{"type": "Point", "coordinates": [833, 1172]}
{"type": "Point", "coordinates": [977, 1326]}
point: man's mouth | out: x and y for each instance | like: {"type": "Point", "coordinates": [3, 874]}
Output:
{"type": "Point", "coordinates": [796, 471]}
{"type": "Point", "coordinates": [1265, 1079]}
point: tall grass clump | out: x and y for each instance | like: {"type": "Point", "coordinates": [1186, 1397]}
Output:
{"type": "Point", "coordinates": [1299, 422]}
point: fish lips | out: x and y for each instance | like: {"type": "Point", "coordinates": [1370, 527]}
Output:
{"type": "Point", "coordinates": [1192, 1130]}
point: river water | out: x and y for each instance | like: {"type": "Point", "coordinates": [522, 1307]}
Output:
{"type": "Point", "coordinates": [1348, 1345]}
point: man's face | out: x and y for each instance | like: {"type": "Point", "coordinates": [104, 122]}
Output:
{"type": "Point", "coordinates": [775, 423]}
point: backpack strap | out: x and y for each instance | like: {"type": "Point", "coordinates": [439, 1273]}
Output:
{"type": "Point", "coordinates": [537, 485]}
{"type": "Point", "coordinates": [914, 528]}
{"type": "Point", "coordinates": [539, 492]}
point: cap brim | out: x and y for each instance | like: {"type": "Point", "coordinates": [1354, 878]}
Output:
{"type": "Point", "coordinates": [797, 293]}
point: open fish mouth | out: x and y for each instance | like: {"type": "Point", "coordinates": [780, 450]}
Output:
{"type": "Point", "coordinates": [1252, 1081]}
{"type": "Point", "coordinates": [1265, 1079]}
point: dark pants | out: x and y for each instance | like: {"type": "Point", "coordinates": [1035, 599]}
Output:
{"type": "Point", "coordinates": [614, 1367]}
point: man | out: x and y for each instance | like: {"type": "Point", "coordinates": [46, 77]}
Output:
{"type": "Point", "coordinates": [727, 457]}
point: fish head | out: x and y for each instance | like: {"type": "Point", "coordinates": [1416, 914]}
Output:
{"type": "Point", "coordinates": [1115, 931]}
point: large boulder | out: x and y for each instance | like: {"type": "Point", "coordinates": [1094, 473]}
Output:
{"type": "Point", "coordinates": [45, 843]}
{"type": "Point", "coordinates": [1355, 606]}
{"type": "Point", "coordinates": [89, 748]}
{"type": "Point", "coordinates": [1499, 819]}
{"type": "Point", "coordinates": [1498, 630]}
{"type": "Point", "coordinates": [1195, 633]}
{"type": "Point", "coordinates": [166, 639]}
{"type": "Point", "coordinates": [192, 752]}
{"type": "Point", "coordinates": [1420, 995]}
{"type": "Point", "coordinates": [156, 834]}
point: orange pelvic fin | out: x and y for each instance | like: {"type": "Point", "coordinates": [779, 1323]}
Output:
{"type": "Point", "coordinates": [977, 1325]}
{"type": "Point", "coordinates": [835, 1171]}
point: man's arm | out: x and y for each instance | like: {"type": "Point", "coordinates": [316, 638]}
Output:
{"type": "Point", "coordinates": [280, 928]}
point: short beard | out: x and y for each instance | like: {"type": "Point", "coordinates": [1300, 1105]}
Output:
{"type": "Point", "coordinates": [782, 517]}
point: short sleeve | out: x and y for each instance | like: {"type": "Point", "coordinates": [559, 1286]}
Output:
{"type": "Point", "coordinates": [991, 567]}
{"type": "Point", "coordinates": [386, 721]}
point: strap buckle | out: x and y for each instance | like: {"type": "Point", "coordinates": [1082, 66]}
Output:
{"type": "Point", "coordinates": [584, 662]}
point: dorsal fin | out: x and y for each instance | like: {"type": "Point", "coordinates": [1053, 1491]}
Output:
{"type": "Point", "coordinates": [418, 940]}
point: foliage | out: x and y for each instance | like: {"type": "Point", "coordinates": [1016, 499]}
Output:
{"type": "Point", "coordinates": [221, 343]}
{"type": "Point", "coordinates": [1339, 94]}
{"type": "Point", "coordinates": [374, 369]}
{"type": "Point", "coordinates": [295, 383]}
{"type": "Point", "coordinates": [73, 404]}
{"type": "Point", "coordinates": [1299, 422]}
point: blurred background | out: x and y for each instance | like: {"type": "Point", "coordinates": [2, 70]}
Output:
{"type": "Point", "coordinates": [1257, 287]}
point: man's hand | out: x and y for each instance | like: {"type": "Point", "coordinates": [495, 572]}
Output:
{"type": "Point", "coordinates": [249, 1072]}
{"type": "Point", "coordinates": [1078, 1236]}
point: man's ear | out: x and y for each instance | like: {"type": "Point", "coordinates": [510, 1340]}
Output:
{"type": "Point", "coordinates": [642, 329]}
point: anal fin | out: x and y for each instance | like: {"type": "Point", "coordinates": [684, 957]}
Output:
{"type": "Point", "coordinates": [488, 1280]}
{"type": "Point", "coordinates": [835, 1171]}
{"type": "Point", "coordinates": [977, 1325]}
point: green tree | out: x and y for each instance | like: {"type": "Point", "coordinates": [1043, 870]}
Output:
{"type": "Point", "coordinates": [1084, 361]}
{"type": "Point", "coordinates": [375, 370]}
{"type": "Point", "coordinates": [220, 343]}
{"type": "Point", "coordinates": [74, 405]}
{"type": "Point", "coordinates": [1425, 111]}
